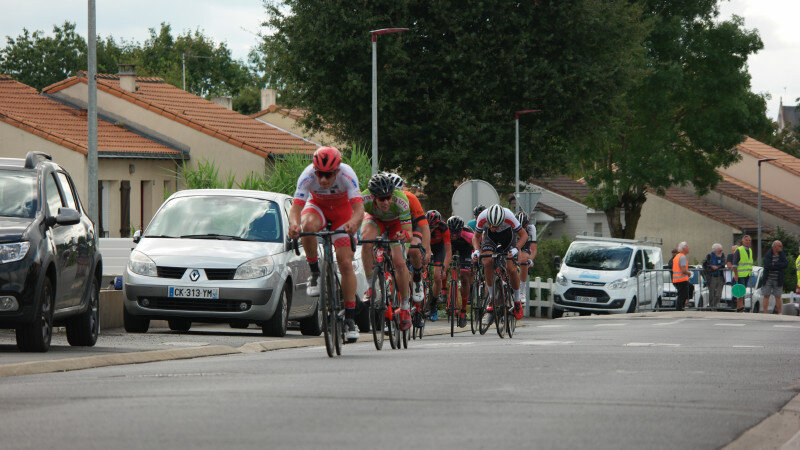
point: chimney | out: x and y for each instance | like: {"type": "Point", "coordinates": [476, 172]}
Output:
{"type": "Point", "coordinates": [226, 102]}
{"type": "Point", "coordinates": [127, 77]}
{"type": "Point", "coordinates": [269, 97]}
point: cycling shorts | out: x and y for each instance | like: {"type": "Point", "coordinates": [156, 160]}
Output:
{"type": "Point", "coordinates": [388, 229]}
{"type": "Point", "coordinates": [337, 215]}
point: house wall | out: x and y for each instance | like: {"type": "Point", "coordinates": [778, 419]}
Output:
{"type": "Point", "coordinates": [579, 218]}
{"type": "Point", "coordinates": [750, 211]}
{"type": "Point", "coordinates": [674, 223]}
{"type": "Point", "coordinates": [774, 180]}
{"type": "Point", "coordinates": [291, 125]}
{"type": "Point", "coordinates": [226, 157]}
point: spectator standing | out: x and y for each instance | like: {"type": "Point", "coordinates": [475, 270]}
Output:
{"type": "Point", "coordinates": [743, 261]}
{"type": "Point", "coordinates": [681, 275]}
{"type": "Point", "coordinates": [775, 263]}
{"type": "Point", "coordinates": [714, 266]}
{"type": "Point", "coordinates": [797, 267]}
{"type": "Point", "coordinates": [729, 265]}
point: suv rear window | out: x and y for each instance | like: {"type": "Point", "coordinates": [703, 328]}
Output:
{"type": "Point", "coordinates": [18, 193]}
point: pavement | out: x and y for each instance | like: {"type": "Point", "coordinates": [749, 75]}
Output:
{"type": "Point", "coordinates": [781, 430]}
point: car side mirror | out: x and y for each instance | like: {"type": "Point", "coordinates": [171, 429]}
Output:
{"type": "Point", "coordinates": [637, 268]}
{"type": "Point", "coordinates": [137, 236]}
{"type": "Point", "coordinates": [67, 216]}
{"type": "Point", "coordinates": [557, 262]}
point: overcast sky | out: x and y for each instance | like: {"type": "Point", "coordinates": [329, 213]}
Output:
{"type": "Point", "coordinates": [775, 70]}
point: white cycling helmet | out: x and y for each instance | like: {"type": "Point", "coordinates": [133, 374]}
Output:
{"type": "Point", "coordinates": [397, 180]}
{"type": "Point", "coordinates": [495, 215]}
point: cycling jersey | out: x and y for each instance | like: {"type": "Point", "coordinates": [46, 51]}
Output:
{"type": "Point", "coordinates": [504, 236]}
{"type": "Point", "coordinates": [417, 213]}
{"type": "Point", "coordinates": [461, 243]}
{"type": "Point", "coordinates": [472, 224]}
{"type": "Point", "coordinates": [342, 191]}
{"type": "Point", "coordinates": [399, 208]}
{"type": "Point", "coordinates": [440, 234]}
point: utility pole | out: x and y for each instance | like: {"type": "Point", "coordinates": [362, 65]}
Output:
{"type": "Point", "coordinates": [91, 117]}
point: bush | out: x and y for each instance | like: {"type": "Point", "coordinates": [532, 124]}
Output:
{"type": "Point", "coordinates": [545, 251]}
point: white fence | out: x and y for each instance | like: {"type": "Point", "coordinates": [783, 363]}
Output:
{"type": "Point", "coordinates": [116, 252]}
{"type": "Point", "coordinates": [538, 306]}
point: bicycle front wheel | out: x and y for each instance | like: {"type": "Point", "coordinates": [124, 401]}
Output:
{"type": "Point", "coordinates": [377, 310]}
{"type": "Point", "coordinates": [326, 303]}
{"type": "Point", "coordinates": [511, 319]}
{"type": "Point", "coordinates": [500, 311]}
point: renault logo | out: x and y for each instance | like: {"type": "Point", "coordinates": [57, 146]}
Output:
{"type": "Point", "coordinates": [195, 275]}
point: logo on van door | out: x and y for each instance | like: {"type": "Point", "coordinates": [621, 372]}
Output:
{"type": "Point", "coordinates": [591, 276]}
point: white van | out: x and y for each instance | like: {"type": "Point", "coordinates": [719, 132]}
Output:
{"type": "Point", "coordinates": [607, 275]}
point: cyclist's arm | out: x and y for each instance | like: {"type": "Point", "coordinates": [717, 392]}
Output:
{"type": "Point", "coordinates": [448, 254]}
{"type": "Point", "coordinates": [522, 238]}
{"type": "Point", "coordinates": [476, 240]}
{"type": "Point", "coordinates": [533, 250]}
{"type": "Point", "coordinates": [356, 218]}
{"type": "Point", "coordinates": [425, 230]}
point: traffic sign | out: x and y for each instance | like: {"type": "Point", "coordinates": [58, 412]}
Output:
{"type": "Point", "coordinates": [738, 290]}
{"type": "Point", "coordinates": [470, 194]}
{"type": "Point", "coordinates": [527, 200]}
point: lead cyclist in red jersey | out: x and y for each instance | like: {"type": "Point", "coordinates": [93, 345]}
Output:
{"type": "Point", "coordinates": [327, 191]}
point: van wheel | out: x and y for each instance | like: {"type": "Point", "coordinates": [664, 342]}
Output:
{"type": "Point", "coordinates": [632, 307]}
{"type": "Point", "coordinates": [557, 313]}
{"type": "Point", "coordinates": [36, 336]}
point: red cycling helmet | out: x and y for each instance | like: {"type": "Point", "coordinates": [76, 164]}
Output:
{"type": "Point", "coordinates": [327, 159]}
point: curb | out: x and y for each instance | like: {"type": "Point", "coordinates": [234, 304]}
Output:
{"type": "Point", "coordinates": [778, 431]}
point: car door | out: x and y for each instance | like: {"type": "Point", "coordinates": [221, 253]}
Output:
{"type": "Point", "coordinates": [298, 268]}
{"type": "Point", "coordinates": [64, 241]}
{"type": "Point", "coordinates": [82, 239]}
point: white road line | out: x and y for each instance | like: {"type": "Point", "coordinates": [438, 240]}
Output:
{"type": "Point", "coordinates": [551, 326]}
{"type": "Point", "coordinates": [186, 344]}
{"type": "Point", "coordinates": [729, 324]}
{"type": "Point", "coordinates": [544, 342]}
{"type": "Point", "coordinates": [651, 344]}
{"type": "Point", "coordinates": [668, 323]}
{"type": "Point", "coordinates": [786, 326]}
{"type": "Point", "coordinates": [748, 346]}
{"type": "Point", "coordinates": [443, 344]}
{"type": "Point", "coordinates": [611, 324]}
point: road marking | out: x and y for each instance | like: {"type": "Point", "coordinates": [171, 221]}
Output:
{"type": "Point", "coordinates": [610, 324]}
{"type": "Point", "coordinates": [668, 323]}
{"type": "Point", "coordinates": [551, 326]}
{"type": "Point", "coordinates": [729, 324]}
{"type": "Point", "coordinates": [443, 344]}
{"type": "Point", "coordinates": [786, 326]}
{"type": "Point", "coordinates": [651, 344]}
{"type": "Point", "coordinates": [545, 342]}
{"type": "Point", "coordinates": [748, 346]}
{"type": "Point", "coordinates": [186, 344]}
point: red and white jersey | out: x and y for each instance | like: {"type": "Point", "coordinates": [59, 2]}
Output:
{"type": "Point", "coordinates": [510, 221]}
{"type": "Point", "coordinates": [343, 190]}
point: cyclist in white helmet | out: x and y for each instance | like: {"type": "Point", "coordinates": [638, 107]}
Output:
{"type": "Point", "coordinates": [498, 227]}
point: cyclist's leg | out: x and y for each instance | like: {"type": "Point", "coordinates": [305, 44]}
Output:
{"type": "Point", "coordinates": [402, 285]}
{"type": "Point", "coordinates": [487, 246]}
{"type": "Point", "coordinates": [311, 219]}
{"type": "Point", "coordinates": [415, 256]}
{"type": "Point", "coordinates": [370, 229]}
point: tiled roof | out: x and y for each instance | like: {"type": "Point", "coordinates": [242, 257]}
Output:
{"type": "Point", "coordinates": [564, 185]}
{"type": "Point", "coordinates": [758, 149]}
{"type": "Point", "coordinates": [293, 113]}
{"type": "Point", "coordinates": [549, 210]}
{"type": "Point", "coordinates": [745, 193]}
{"type": "Point", "coordinates": [175, 104]}
{"type": "Point", "coordinates": [23, 107]}
{"type": "Point", "coordinates": [700, 206]}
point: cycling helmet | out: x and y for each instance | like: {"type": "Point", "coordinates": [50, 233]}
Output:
{"type": "Point", "coordinates": [496, 215]}
{"type": "Point", "coordinates": [523, 218]}
{"type": "Point", "coordinates": [398, 181]}
{"type": "Point", "coordinates": [327, 159]}
{"type": "Point", "coordinates": [455, 224]}
{"type": "Point", "coordinates": [434, 217]}
{"type": "Point", "coordinates": [380, 185]}
{"type": "Point", "coordinates": [478, 210]}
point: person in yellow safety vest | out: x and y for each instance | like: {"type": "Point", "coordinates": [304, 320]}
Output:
{"type": "Point", "coordinates": [680, 275]}
{"type": "Point", "coordinates": [743, 262]}
{"type": "Point", "coordinates": [797, 267]}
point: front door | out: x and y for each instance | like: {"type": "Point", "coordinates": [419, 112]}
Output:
{"type": "Point", "coordinates": [65, 241]}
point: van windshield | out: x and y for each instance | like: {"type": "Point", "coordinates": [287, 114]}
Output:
{"type": "Point", "coordinates": [598, 256]}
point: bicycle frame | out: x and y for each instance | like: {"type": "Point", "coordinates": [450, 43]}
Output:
{"type": "Point", "coordinates": [383, 310]}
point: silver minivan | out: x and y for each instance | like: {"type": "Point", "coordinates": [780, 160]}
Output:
{"type": "Point", "coordinates": [219, 255]}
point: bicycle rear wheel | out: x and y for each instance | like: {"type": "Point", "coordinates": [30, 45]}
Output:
{"type": "Point", "coordinates": [377, 309]}
{"type": "Point", "coordinates": [500, 310]}
{"type": "Point", "coordinates": [511, 319]}
{"type": "Point", "coordinates": [452, 309]}
{"type": "Point", "coordinates": [483, 322]}
{"type": "Point", "coordinates": [326, 303]}
{"type": "Point", "coordinates": [338, 313]}
{"type": "Point", "coordinates": [473, 311]}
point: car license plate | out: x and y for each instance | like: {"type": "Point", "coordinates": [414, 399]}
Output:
{"type": "Point", "coordinates": [667, 303]}
{"type": "Point", "coordinates": [193, 292]}
{"type": "Point", "coordinates": [582, 299]}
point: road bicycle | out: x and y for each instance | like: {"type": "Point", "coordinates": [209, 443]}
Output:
{"type": "Point", "coordinates": [419, 311]}
{"type": "Point", "coordinates": [477, 300]}
{"type": "Point", "coordinates": [453, 307]}
{"type": "Point", "coordinates": [330, 300]}
{"type": "Point", "coordinates": [383, 318]}
{"type": "Point", "coordinates": [503, 298]}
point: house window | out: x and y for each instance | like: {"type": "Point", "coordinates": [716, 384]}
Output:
{"type": "Point", "coordinates": [125, 208]}
{"type": "Point", "coordinates": [598, 229]}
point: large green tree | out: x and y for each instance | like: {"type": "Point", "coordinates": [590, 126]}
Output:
{"type": "Point", "coordinates": [448, 87]}
{"type": "Point", "coordinates": [683, 119]}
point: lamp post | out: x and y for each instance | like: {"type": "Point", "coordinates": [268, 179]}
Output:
{"type": "Point", "coordinates": [760, 160]}
{"type": "Point", "coordinates": [374, 36]}
{"type": "Point", "coordinates": [91, 117]}
{"type": "Point", "coordinates": [516, 140]}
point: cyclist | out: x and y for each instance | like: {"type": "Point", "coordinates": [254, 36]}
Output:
{"type": "Point", "coordinates": [528, 251]}
{"type": "Point", "coordinates": [388, 213]}
{"type": "Point", "coordinates": [498, 227]}
{"type": "Point", "coordinates": [421, 235]}
{"type": "Point", "coordinates": [461, 241]}
{"type": "Point", "coordinates": [327, 192]}
{"type": "Point", "coordinates": [475, 213]}
{"type": "Point", "coordinates": [441, 254]}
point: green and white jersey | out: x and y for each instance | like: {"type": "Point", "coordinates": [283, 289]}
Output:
{"type": "Point", "coordinates": [399, 208]}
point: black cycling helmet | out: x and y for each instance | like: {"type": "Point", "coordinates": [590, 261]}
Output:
{"type": "Point", "coordinates": [478, 210]}
{"type": "Point", "coordinates": [455, 224]}
{"type": "Point", "coordinates": [380, 185]}
{"type": "Point", "coordinates": [434, 217]}
{"type": "Point", "coordinates": [523, 218]}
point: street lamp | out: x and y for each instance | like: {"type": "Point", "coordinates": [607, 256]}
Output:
{"type": "Point", "coordinates": [760, 160]}
{"type": "Point", "coordinates": [374, 35]}
{"type": "Point", "coordinates": [516, 168]}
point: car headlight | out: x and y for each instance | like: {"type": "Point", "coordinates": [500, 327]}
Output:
{"type": "Point", "coordinates": [562, 280]}
{"type": "Point", "coordinates": [619, 284]}
{"type": "Point", "coordinates": [141, 264]}
{"type": "Point", "coordinates": [256, 268]}
{"type": "Point", "coordinates": [13, 252]}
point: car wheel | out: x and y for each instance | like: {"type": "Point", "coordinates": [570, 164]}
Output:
{"type": "Point", "coordinates": [36, 336]}
{"type": "Point", "coordinates": [312, 325]}
{"type": "Point", "coordinates": [179, 325]}
{"type": "Point", "coordinates": [134, 324]}
{"type": "Point", "coordinates": [632, 307]}
{"type": "Point", "coordinates": [557, 313]}
{"type": "Point", "coordinates": [239, 324]}
{"type": "Point", "coordinates": [276, 325]}
{"type": "Point", "coordinates": [84, 329]}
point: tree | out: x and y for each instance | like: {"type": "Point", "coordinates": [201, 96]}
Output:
{"type": "Point", "coordinates": [683, 119]}
{"type": "Point", "coordinates": [449, 86]}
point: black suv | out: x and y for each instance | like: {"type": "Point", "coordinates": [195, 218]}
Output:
{"type": "Point", "coordinates": [50, 267]}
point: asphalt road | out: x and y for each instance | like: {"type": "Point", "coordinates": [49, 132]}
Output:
{"type": "Point", "coordinates": [652, 382]}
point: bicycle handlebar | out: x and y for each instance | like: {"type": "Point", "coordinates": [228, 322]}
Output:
{"type": "Point", "coordinates": [322, 234]}
{"type": "Point", "coordinates": [379, 241]}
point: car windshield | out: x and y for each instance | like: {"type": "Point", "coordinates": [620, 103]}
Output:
{"type": "Point", "coordinates": [218, 217]}
{"type": "Point", "coordinates": [598, 256]}
{"type": "Point", "coordinates": [17, 193]}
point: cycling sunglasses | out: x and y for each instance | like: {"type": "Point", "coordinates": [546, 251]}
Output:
{"type": "Point", "coordinates": [321, 174]}
{"type": "Point", "coordinates": [383, 198]}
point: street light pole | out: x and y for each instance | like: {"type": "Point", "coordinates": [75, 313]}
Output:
{"type": "Point", "coordinates": [374, 36]}
{"type": "Point", "coordinates": [516, 146]}
{"type": "Point", "coordinates": [91, 118]}
{"type": "Point", "coordinates": [760, 160]}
